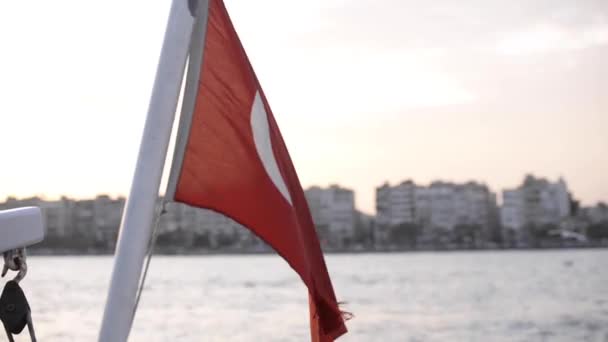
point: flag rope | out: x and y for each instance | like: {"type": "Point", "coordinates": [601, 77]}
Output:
{"type": "Point", "coordinates": [149, 253]}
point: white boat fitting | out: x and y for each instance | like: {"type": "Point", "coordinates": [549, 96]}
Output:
{"type": "Point", "coordinates": [20, 227]}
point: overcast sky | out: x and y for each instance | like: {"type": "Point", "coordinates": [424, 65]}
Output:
{"type": "Point", "coordinates": [365, 91]}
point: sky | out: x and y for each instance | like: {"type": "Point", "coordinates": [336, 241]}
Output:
{"type": "Point", "coordinates": [364, 91]}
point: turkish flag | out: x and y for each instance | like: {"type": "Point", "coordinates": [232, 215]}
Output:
{"type": "Point", "coordinates": [234, 161]}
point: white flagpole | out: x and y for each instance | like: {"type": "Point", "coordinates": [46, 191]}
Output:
{"type": "Point", "coordinates": [137, 219]}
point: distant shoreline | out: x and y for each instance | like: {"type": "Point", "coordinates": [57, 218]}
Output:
{"type": "Point", "coordinates": [165, 252]}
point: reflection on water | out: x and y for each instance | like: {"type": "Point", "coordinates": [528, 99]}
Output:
{"type": "Point", "coordinates": [459, 296]}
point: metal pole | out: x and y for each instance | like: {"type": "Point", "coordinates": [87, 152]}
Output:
{"type": "Point", "coordinates": [137, 219]}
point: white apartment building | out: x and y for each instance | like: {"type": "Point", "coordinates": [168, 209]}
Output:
{"type": "Point", "coordinates": [535, 202]}
{"type": "Point", "coordinates": [99, 217]}
{"type": "Point", "coordinates": [423, 210]}
{"type": "Point", "coordinates": [452, 204]}
{"type": "Point", "coordinates": [57, 218]}
{"type": "Point", "coordinates": [198, 221]}
{"type": "Point", "coordinates": [333, 212]}
{"type": "Point", "coordinates": [396, 204]}
{"type": "Point", "coordinates": [512, 210]}
{"type": "Point", "coordinates": [440, 205]}
{"type": "Point", "coordinates": [443, 199]}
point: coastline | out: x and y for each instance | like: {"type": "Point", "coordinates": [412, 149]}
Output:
{"type": "Point", "coordinates": [207, 252]}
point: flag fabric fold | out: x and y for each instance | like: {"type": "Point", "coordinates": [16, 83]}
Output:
{"type": "Point", "coordinates": [232, 159]}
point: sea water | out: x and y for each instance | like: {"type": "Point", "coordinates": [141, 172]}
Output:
{"type": "Point", "coordinates": [559, 295]}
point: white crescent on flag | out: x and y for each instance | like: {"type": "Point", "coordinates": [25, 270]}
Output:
{"type": "Point", "coordinates": [261, 138]}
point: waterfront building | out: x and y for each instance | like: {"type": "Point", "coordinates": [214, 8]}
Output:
{"type": "Point", "coordinates": [333, 212]}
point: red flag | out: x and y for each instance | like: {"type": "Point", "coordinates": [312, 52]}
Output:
{"type": "Point", "coordinates": [234, 161]}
